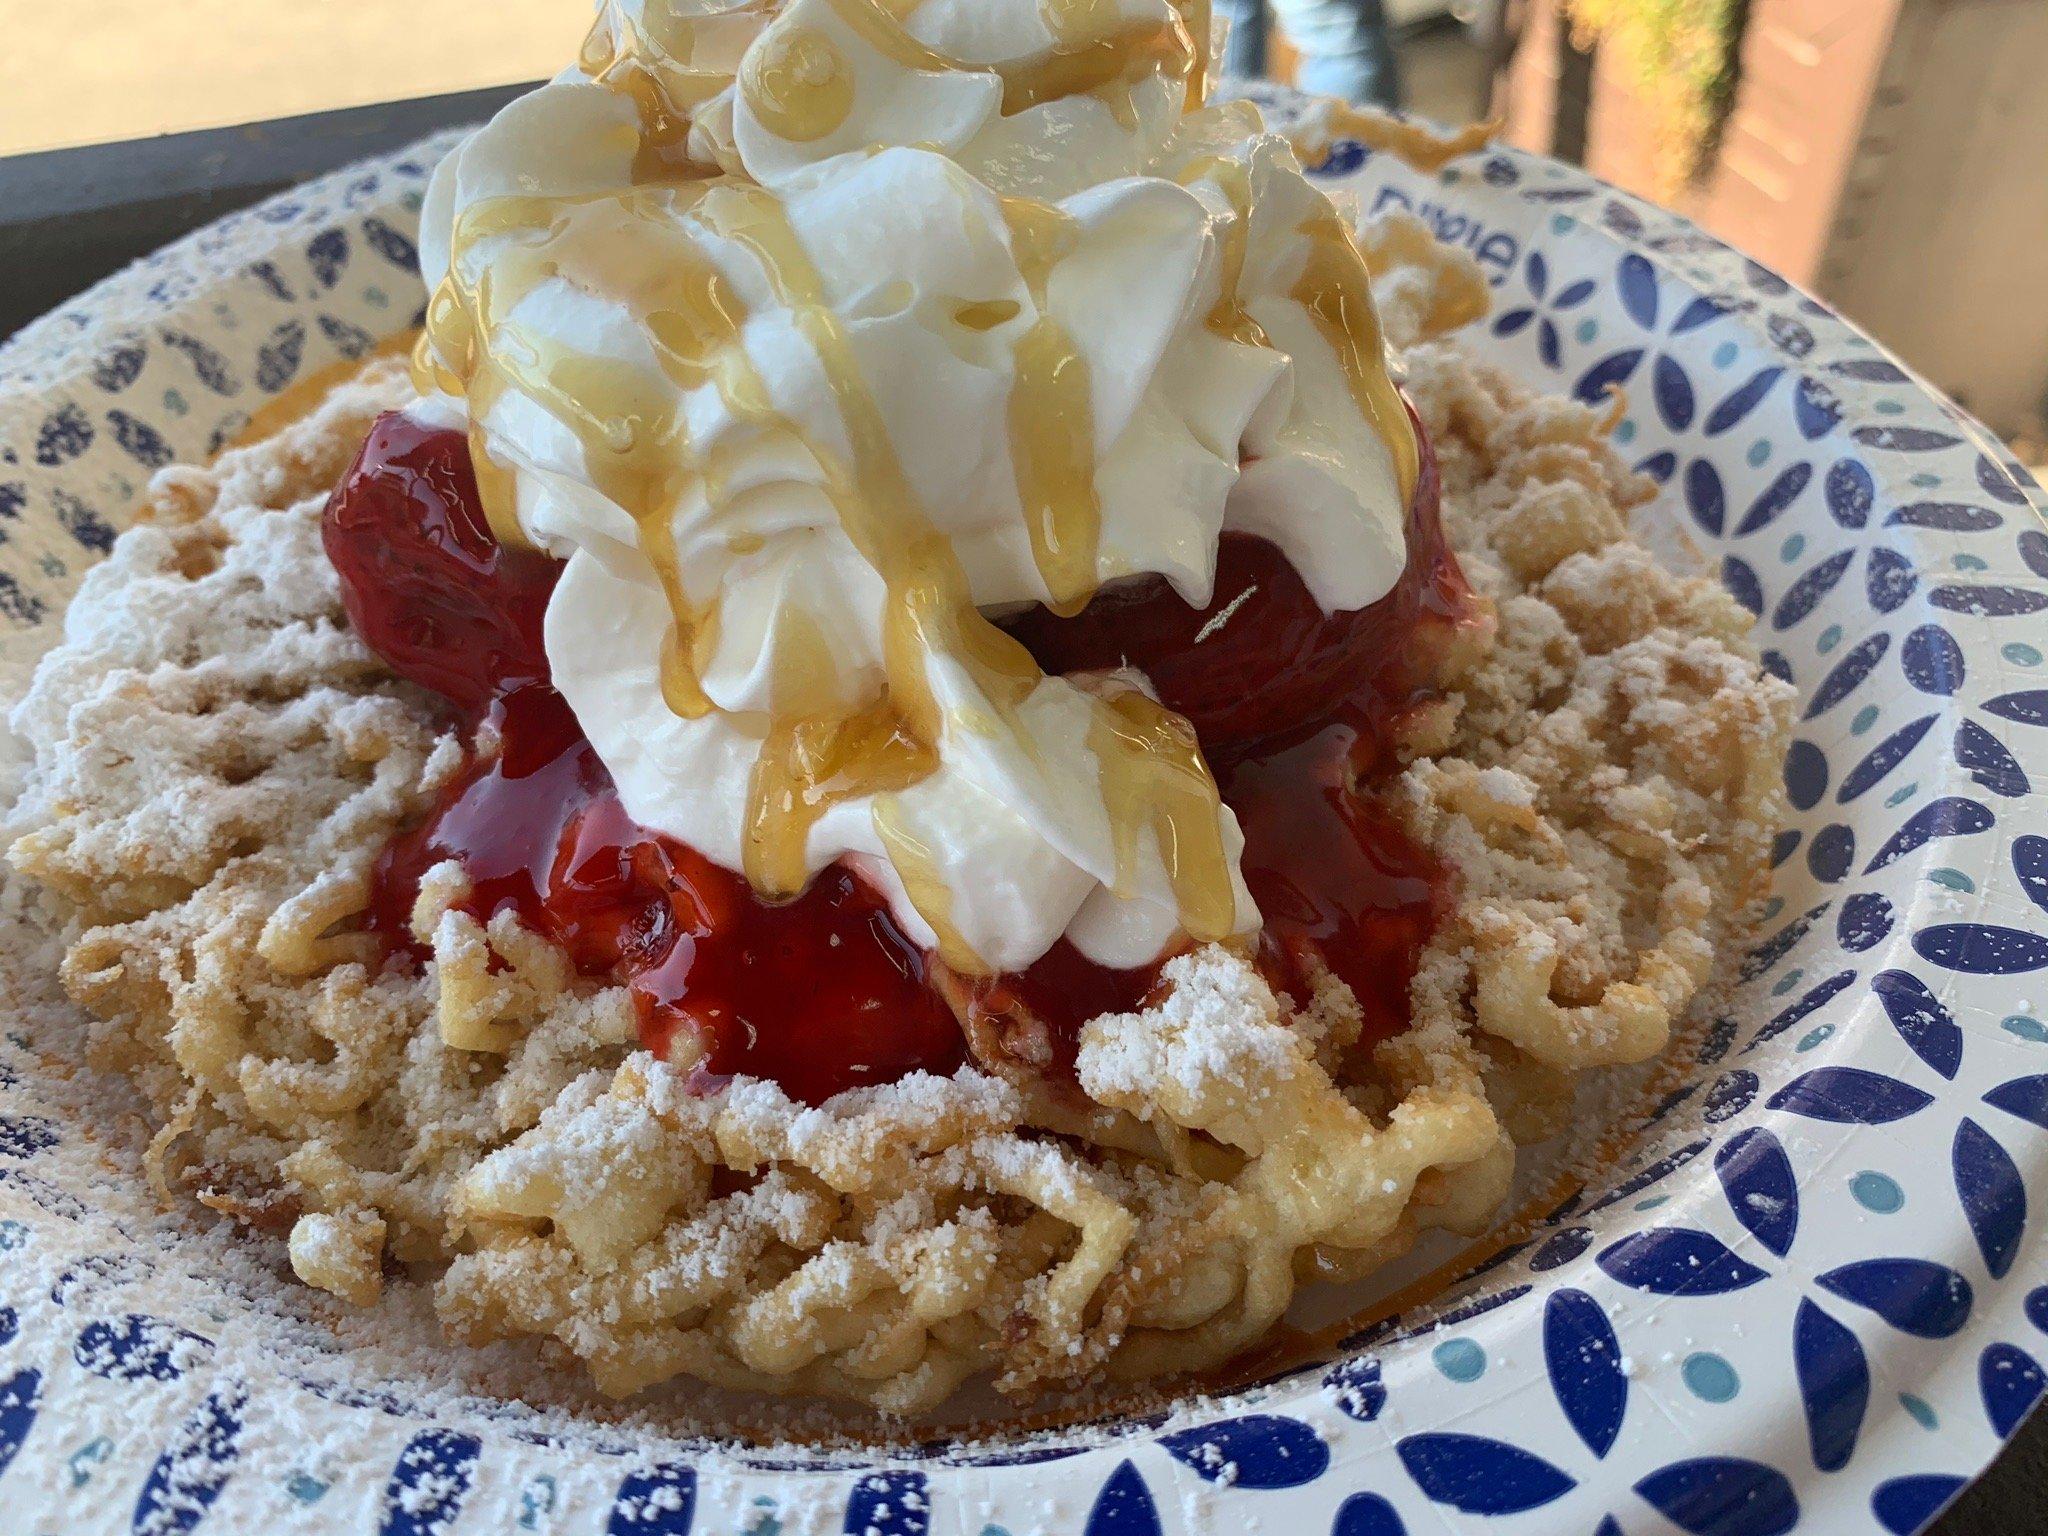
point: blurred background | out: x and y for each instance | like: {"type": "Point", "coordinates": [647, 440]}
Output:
{"type": "Point", "coordinates": [1890, 154]}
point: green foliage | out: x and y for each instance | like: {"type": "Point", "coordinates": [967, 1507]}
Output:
{"type": "Point", "coordinates": [1679, 57]}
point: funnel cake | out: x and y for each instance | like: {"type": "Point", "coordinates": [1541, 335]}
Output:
{"type": "Point", "coordinates": [222, 765]}
{"type": "Point", "coordinates": [897, 755]}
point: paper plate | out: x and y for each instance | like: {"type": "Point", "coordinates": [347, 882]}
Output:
{"type": "Point", "coordinates": [1811, 1297]}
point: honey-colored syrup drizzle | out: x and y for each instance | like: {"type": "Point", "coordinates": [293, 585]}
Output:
{"type": "Point", "coordinates": [661, 65]}
{"type": "Point", "coordinates": [1198, 17]}
{"type": "Point", "coordinates": [1165, 784]}
{"type": "Point", "coordinates": [1052, 419]}
{"type": "Point", "coordinates": [1336, 290]}
{"type": "Point", "coordinates": [1089, 56]}
{"type": "Point", "coordinates": [816, 750]}
{"type": "Point", "coordinates": [798, 84]}
{"type": "Point", "coordinates": [1228, 317]}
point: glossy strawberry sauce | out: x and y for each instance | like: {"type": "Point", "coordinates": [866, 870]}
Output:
{"type": "Point", "coordinates": [826, 992]}
{"type": "Point", "coordinates": [425, 583]}
{"type": "Point", "coordinates": [1295, 708]}
{"type": "Point", "coordinates": [821, 994]}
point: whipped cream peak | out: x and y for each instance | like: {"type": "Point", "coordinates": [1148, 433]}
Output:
{"type": "Point", "coordinates": [812, 333]}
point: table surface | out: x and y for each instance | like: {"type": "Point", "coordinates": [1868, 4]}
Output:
{"type": "Point", "coordinates": [70, 217]}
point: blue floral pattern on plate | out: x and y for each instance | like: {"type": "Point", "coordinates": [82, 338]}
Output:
{"type": "Point", "coordinates": [1802, 1303]}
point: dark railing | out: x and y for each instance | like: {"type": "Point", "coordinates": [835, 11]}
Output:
{"type": "Point", "coordinates": [69, 217]}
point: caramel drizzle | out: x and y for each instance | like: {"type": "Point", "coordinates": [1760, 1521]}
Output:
{"type": "Point", "coordinates": [1198, 17]}
{"type": "Point", "coordinates": [816, 750]}
{"type": "Point", "coordinates": [1228, 318]}
{"type": "Point", "coordinates": [1052, 420]}
{"type": "Point", "coordinates": [1336, 290]}
{"type": "Point", "coordinates": [670, 64]}
{"type": "Point", "coordinates": [1088, 57]}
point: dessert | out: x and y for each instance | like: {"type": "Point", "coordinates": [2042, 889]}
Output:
{"type": "Point", "coordinates": [896, 756]}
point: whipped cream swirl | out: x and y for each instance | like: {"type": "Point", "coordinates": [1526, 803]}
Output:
{"type": "Point", "coordinates": [812, 333]}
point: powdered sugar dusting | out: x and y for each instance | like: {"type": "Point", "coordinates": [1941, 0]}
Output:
{"type": "Point", "coordinates": [214, 761]}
